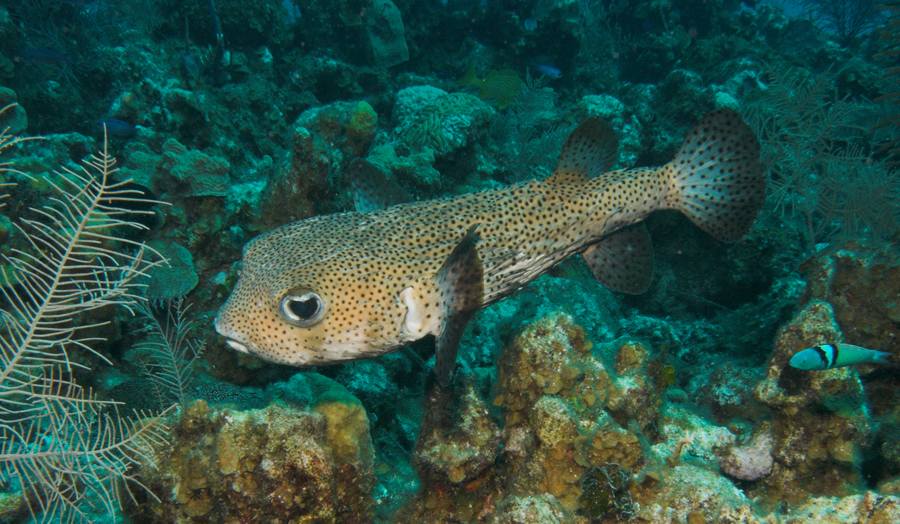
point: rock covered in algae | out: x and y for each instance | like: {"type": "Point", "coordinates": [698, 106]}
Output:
{"type": "Point", "coordinates": [179, 170]}
{"type": "Point", "coordinates": [458, 438]}
{"type": "Point", "coordinates": [689, 494]}
{"type": "Point", "coordinates": [324, 141]}
{"type": "Point", "coordinates": [278, 464]}
{"type": "Point", "coordinates": [553, 392]}
{"type": "Point", "coordinates": [752, 460]}
{"type": "Point", "coordinates": [861, 281]}
{"type": "Point", "coordinates": [533, 510]}
{"type": "Point", "coordinates": [820, 424]}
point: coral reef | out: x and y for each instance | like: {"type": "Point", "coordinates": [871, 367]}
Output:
{"type": "Point", "coordinates": [749, 461]}
{"type": "Point", "coordinates": [678, 405]}
{"type": "Point", "coordinates": [280, 462]}
{"type": "Point", "coordinates": [860, 279]}
{"type": "Point", "coordinates": [178, 170]}
{"type": "Point", "coordinates": [324, 141]}
{"type": "Point", "coordinates": [458, 438]}
{"type": "Point", "coordinates": [172, 279]}
{"type": "Point", "coordinates": [820, 423]}
{"type": "Point", "coordinates": [445, 124]}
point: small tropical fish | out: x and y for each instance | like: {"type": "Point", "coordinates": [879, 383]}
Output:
{"type": "Point", "coordinates": [116, 127]}
{"type": "Point", "coordinates": [827, 356]}
{"type": "Point", "coordinates": [547, 69]}
{"type": "Point", "coordinates": [360, 284]}
{"type": "Point", "coordinates": [499, 85]}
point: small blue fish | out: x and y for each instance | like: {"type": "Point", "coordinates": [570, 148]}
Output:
{"type": "Point", "coordinates": [547, 69]}
{"type": "Point", "coordinates": [116, 127]}
{"type": "Point", "coordinates": [827, 356]}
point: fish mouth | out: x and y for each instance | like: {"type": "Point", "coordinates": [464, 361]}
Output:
{"type": "Point", "coordinates": [223, 330]}
{"type": "Point", "coordinates": [234, 344]}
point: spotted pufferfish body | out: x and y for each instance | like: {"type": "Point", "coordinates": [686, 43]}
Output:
{"type": "Point", "coordinates": [360, 284]}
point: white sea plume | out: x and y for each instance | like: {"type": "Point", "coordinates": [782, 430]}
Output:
{"type": "Point", "coordinates": [171, 352]}
{"type": "Point", "coordinates": [70, 453]}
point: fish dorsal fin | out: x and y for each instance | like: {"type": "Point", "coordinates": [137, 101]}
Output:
{"type": "Point", "coordinates": [590, 150]}
{"type": "Point", "coordinates": [623, 261]}
{"type": "Point", "coordinates": [461, 294]}
{"type": "Point", "coordinates": [372, 190]}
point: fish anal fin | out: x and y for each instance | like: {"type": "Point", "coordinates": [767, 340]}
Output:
{"type": "Point", "coordinates": [591, 150]}
{"type": "Point", "coordinates": [460, 283]}
{"type": "Point", "coordinates": [372, 189]}
{"type": "Point", "coordinates": [623, 261]}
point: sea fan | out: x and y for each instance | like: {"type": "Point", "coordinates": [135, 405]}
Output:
{"type": "Point", "coordinates": [68, 452]}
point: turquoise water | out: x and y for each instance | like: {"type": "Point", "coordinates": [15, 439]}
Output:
{"type": "Point", "coordinates": [570, 400]}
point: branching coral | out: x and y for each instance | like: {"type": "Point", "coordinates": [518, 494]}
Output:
{"type": "Point", "coordinates": [528, 127]}
{"type": "Point", "coordinates": [848, 19]}
{"type": "Point", "coordinates": [684, 442]}
{"type": "Point", "coordinates": [817, 167]}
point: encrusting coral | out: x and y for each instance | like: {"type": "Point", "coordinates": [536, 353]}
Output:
{"type": "Point", "coordinates": [459, 438]}
{"type": "Point", "coordinates": [820, 423]}
{"type": "Point", "coordinates": [282, 463]}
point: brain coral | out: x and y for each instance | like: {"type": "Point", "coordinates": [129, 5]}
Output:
{"type": "Point", "coordinates": [442, 123]}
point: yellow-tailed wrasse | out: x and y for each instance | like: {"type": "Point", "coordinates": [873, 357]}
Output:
{"type": "Point", "coordinates": [360, 284]}
{"type": "Point", "coordinates": [827, 356]}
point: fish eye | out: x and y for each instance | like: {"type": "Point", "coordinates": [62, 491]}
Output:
{"type": "Point", "coordinates": [301, 308]}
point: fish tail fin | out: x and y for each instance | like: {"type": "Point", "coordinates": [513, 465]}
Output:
{"type": "Point", "coordinates": [716, 179]}
{"type": "Point", "coordinates": [890, 359]}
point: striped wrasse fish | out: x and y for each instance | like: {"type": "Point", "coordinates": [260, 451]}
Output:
{"type": "Point", "coordinates": [827, 356]}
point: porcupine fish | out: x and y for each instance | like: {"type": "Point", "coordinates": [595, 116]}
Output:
{"type": "Point", "coordinates": [360, 284]}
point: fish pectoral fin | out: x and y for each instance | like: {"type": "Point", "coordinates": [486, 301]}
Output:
{"type": "Point", "coordinates": [590, 151]}
{"type": "Point", "coordinates": [372, 189]}
{"type": "Point", "coordinates": [623, 261]}
{"type": "Point", "coordinates": [460, 282]}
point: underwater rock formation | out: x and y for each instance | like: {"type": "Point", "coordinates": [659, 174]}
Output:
{"type": "Point", "coordinates": [325, 140]}
{"type": "Point", "coordinates": [532, 510]}
{"type": "Point", "coordinates": [750, 461]}
{"type": "Point", "coordinates": [430, 118]}
{"type": "Point", "coordinates": [281, 463]}
{"type": "Point", "coordinates": [179, 171]}
{"type": "Point", "coordinates": [861, 281]}
{"type": "Point", "coordinates": [173, 279]}
{"type": "Point", "coordinates": [820, 423]}
{"type": "Point", "coordinates": [384, 28]}
{"type": "Point", "coordinates": [458, 438]}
